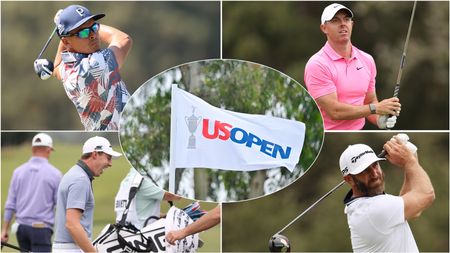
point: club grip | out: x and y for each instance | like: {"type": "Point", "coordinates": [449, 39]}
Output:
{"type": "Point", "coordinates": [382, 154]}
{"type": "Point", "coordinates": [396, 90]}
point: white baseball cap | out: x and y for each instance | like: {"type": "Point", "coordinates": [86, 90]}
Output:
{"type": "Point", "coordinates": [357, 158]}
{"type": "Point", "coordinates": [42, 140]}
{"type": "Point", "coordinates": [331, 10]}
{"type": "Point", "coordinates": [99, 144]}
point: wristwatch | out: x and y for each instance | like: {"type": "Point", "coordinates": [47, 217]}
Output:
{"type": "Point", "coordinates": [373, 108]}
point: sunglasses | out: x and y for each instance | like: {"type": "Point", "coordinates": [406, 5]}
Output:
{"type": "Point", "coordinates": [84, 33]}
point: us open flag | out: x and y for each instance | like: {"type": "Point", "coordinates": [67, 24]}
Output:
{"type": "Point", "coordinates": [209, 137]}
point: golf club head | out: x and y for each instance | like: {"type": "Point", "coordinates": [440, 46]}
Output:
{"type": "Point", "coordinates": [279, 243]}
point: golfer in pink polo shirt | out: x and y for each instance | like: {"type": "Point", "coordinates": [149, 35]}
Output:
{"type": "Point", "coordinates": [341, 78]}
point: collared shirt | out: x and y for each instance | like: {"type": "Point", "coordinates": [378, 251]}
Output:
{"type": "Point", "coordinates": [32, 193]}
{"type": "Point", "coordinates": [146, 203]}
{"type": "Point", "coordinates": [93, 83]}
{"type": "Point", "coordinates": [351, 79]}
{"type": "Point", "coordinates": [86, 169]}
{"type": "Point", "coordinates": [75, 191]}
{"type": "Point", "coordinates": [378, 224]}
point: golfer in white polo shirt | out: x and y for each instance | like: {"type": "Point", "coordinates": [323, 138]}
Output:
{"type": "Point", "coordinates": [75, 204]}
{"type": "Point", "coordinates": [378, 221]}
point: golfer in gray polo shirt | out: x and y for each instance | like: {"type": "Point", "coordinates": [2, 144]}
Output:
{"type": "Point", "coordinates": [75, 205]}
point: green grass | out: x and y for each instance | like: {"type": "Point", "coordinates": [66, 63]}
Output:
{"type": "Point", "coordinates": [105, 187]}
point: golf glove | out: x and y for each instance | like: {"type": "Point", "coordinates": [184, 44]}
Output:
{"type": "Point", "coordinates": [404, 138]}
{"type": "Point", "coordinates": [43, 68]}
{"type": "Point", "coordinates": [386, 122]}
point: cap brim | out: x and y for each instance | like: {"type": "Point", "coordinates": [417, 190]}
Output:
{"type": "Point", "coordinates": [113, 153]}
{"type": "Point", "coordinates": [84, 20]}
{"type": "Point", "coordinates": [365, 165]}
{"type": "Point", "coordinates": [347, 9]}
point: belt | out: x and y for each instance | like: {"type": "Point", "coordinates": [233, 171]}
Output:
{"type": "Point", "coordinates": [36, 225]}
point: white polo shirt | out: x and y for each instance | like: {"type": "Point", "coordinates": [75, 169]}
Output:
{"type": "Point", "coordinates": [377, 224]}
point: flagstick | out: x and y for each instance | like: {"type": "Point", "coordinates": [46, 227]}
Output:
{"type": "Point", "coordinates": [172, 143]}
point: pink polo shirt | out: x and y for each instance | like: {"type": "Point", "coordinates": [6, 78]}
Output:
{"type": "Point", "coordinates": [327, 72]}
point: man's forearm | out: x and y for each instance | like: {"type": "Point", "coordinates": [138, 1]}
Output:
{"type": "Point", "coordinates": [115, 37]}
{"type": "Point", "coordinates": [58, 60]}
{"type": "Point", "coordinates": [117, 40]}
{"type": "Point", "coordinates": [406, 187]}
{"type": "Point", "coordinates": [6, 225]}
{"type": "Point", "coordinates": [341, 111]}
{"type": "Point", "coordinates": [417, 191]}
{"type": "Point", "coordinates": [170, 196]}
{"type": "Point", "coordinates": [109, 34]}
{"type": "Point", "coordinates": [207, 221]}
{"type": "Point", "coordinates": [76, 231]}
{"type": "Point", "coordinates": [416, 180]}
{"type": "Point", "coordinates": [80, 237]}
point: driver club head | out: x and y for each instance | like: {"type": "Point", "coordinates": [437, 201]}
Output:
{"type": "Point", "coordinates": [279, 243]}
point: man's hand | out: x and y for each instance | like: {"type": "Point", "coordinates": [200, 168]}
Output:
{"type": "Point", "coordinates": [43, 68]}
{"type": "Point", "coordinates": [399, 154]}
{"type": "Point", "coordinates": [5, 236]}
{"type": "Point", "coordinates": [56, 18]}
{"type": "Point", "coordinates": [385, 121]}
{"type": "Point", "coordinates": [390, 106]}
{"type": "Point", "coordinates": [175, 235]}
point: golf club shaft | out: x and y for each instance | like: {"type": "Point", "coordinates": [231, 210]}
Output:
{"type": "Point", "coordinates": [381, 155]}
{"type": "Point", "coordinates": [13, 247]}
{"type": "Point", "coordinates": [403, 59]}
{"type": "Point", "coordinates": [46, 44]}
{"type": "Point", "coordinates": [311, 206]}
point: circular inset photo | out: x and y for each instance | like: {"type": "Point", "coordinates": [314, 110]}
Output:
{"type": "Point", "coordinates": [221, 130]}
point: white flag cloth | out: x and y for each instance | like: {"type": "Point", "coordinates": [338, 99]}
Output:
{"type": "Point", "coordinates": [209, 137]}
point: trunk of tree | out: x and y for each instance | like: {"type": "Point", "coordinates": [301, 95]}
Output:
{"type": "Point", "coordinates": [257, 184]}
{"type": "Point", "coordinates": [178, 175]}
{"type": "Point", "coordinates": [201, 183]}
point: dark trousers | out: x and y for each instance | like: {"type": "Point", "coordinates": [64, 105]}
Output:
{"type": "Point", "coordinates": [34, 239]}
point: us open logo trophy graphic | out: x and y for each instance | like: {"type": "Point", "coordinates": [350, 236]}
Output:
{"type": "Point", "coordinates": [192, 124]}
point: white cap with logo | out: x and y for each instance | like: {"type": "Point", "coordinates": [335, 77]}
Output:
{"type": "Point", "coordinates": [356, 158]}
{"type": "Point", "coordinates": [42, 140]}
{"type": "Point", "coordinates": [99, 144]}
{"type": "Point", "coordinates": [331, 10]}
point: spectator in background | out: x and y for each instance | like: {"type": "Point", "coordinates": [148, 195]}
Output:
{"type": "Point", "coordinates": [32, 198]}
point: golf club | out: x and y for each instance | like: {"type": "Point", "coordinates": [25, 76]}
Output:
{"type": "Point", "coordinates": [280, 243]}
{"type": "Point", "coordinates": [43, 67]}
{"type": "Point", "coordinates": [403, 58]}
{"type": "Point", "coordinates": [46, 44]}
{"type": "Point", "coordinates": [13, 247]}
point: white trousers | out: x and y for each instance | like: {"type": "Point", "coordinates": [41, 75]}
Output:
{"type": "Point", "coordinates": [66, 248]}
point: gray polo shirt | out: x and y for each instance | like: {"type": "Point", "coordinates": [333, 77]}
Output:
{"type": "Point", "coordinates": [75, 191]}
